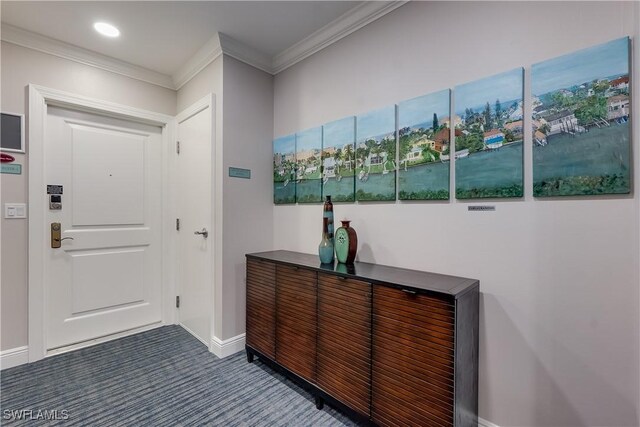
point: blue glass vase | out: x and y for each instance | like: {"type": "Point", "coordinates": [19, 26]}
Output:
{"type": "Point", "coordinates": [325, 249]}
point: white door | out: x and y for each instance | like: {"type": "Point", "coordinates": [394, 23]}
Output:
{"type": "Point", "coordinates": [194, 194]}
{"type": "Point", "coordinates": [106, 276]}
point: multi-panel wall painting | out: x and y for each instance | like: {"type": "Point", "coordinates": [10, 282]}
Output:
{"type": "Point", "coordinates": [580, 130]}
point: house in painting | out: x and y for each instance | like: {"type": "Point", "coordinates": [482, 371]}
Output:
{"type": "Point", "coordinates": [621, 83]}
{"type": "Point", "coordinates": [329, 167]}
{"type": "Point", "coordinates": [442, 136]}
{"type": "Point", "coordinates": [515, 112]}
{"type": "Point", "coordinates": [540, 111]}
{"type": "Point", "coordinates": [617, 107]}
{"type": "Point", "coordinates": [415, 154]}
{"type": "Point", "coordinates": [539, 138]}
{"type": "Point", "coordinates": [562, 121]}
{"type": "Point", "coordinates": [493, 139]}
{"type": "Point", "coordinates": [515, 127]}
{"type": "Point", "coordinates": [303, 156]}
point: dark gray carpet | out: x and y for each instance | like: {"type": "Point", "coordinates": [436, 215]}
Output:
{"type": "Point", "coordinates": [163, 377]}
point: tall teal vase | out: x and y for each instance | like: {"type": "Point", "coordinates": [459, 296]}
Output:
{"type": "Point", "coordinates": [325, 249]}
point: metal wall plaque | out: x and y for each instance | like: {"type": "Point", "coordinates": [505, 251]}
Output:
{"type": "Point", "coordinates": [11, 168]}
{"type": "Point", "coordinates": [481, 208]}
{"type": "Point", "coordinates": [54, 189]}
{"type": "Point", "coordinates": [239, 173]}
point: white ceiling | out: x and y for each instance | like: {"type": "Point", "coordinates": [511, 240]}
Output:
{"type": "Point", "coordinates": [163, 35]}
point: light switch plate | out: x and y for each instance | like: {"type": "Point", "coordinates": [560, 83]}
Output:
{"type": "Point", "coordinates": [15, 210]}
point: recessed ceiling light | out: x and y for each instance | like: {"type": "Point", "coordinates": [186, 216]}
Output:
{"type": "Point", "coordinates": [106, 29]}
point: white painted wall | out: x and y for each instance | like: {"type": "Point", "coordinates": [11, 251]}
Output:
{"type": "Point", "coordinates": [248, 203]}
{"type": "Point", "coordinates": [559, 342]}
{"type": "Point", "coordinates": [21, 66]}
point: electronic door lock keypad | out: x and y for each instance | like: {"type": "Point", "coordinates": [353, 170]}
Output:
{"type": "Point", "coordinates": [55, 202]}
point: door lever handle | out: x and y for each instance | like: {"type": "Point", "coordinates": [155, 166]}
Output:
{"type": "Point", "coordinates": [56, 238]}
{"type": "Point", "coordinates": [204, 233]}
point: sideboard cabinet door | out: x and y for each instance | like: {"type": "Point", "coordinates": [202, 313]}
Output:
{"type": "Point", "coordinates": [261, 306]}
{"type": "Point", "coordinates": [296, 320]}
{"type": "Point", "coordinates": [344, 340]}
{"type": "Point", "coordinates": [413, 358]}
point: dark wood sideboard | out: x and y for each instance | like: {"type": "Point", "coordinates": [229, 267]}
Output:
{"type": "Point", "coordinates": [388, 346]}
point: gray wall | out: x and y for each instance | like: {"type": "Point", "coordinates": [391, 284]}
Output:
{"type": "Point", "coordinates": [21, 66]}
{"type": "Point", "coordinates": [248, 204]}
{"type": "Point", "coordinates": [559, 277]}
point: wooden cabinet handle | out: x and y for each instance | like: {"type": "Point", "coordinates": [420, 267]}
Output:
{"type": "Point", "coordinates": [410, 291]}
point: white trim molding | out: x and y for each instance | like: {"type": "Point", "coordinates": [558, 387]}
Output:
{"type": "Point", "coordinates": [14, 357]}
{"type": "Point", "coordinates": [246, 54]}
{"type": "Point", "coordinates": [484, 423]}
{"type": "Point", "coordinates": [225, 348]}
{"type": "Point", "coordinates": [39, 99]}
{"type": "Point", "coordinates": [346, 24]}
{"type": "Point", "coordinates": [208, 53]}
{"type": "Point", "coordinates": [24, 38]}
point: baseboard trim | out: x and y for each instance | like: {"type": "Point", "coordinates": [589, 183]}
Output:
{"type": "Point", "coordinates": [225, 348]}
{"type": "Point", "coordinates": [484, 423]}
{"type": "Point", "coordinates": [14, 357]}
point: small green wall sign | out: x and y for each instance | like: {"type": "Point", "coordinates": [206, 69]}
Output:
{"type": "Point", "coordinates": [11, 168]}
{"type": "Point", "coordinates": [239, 173]}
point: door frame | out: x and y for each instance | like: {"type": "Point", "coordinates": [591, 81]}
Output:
{"type": "Point", "coordinates": [208, 101]}
{"type": "Point", "coordinates": [40, 98]}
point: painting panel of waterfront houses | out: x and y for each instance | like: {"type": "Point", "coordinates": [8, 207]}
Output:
{"type": "Point", "coordinates": [284, 166]}
{"type": "Point", "coordinates": [581, 129]}
{"type": "Point", "coordinates": [376, 155]}
{"type": "Point", "coordinates": [489, 137]}
{"type": "Point", "coordinates": [338, 160]}
{"type": "Point", "coordinates": [423, 133]}
{"type": "Point", "coordinates": [309, 165]}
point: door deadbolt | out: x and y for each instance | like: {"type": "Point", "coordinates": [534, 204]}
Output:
{"type": "Point", "coordinates": [56, 238]}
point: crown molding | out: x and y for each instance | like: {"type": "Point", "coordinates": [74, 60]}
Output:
{"type": "Point", "coordinates": [208, 53]}
{"type": "Point", "coordinates": [346, 24]}
{"type": "Point", "coordinates": [24, 38]}
{"type": "Point", "coordinates": [246, 54]}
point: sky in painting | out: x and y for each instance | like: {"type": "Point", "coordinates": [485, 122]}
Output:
{"type": "Point", "coordinates": [583, 66]}
{"type": "Point", "coordinates": [506, 86]}
{"type": "Point", "coordinates": [420, 110]}
{"type": "Point", "coordinates": [284, 144]}
{"type": "Point", "coordinates": [376, 123]}
{"type": "Point", "coordinates": [339, 132]}
{"type": "Point", "coordinates": [310, 139]}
